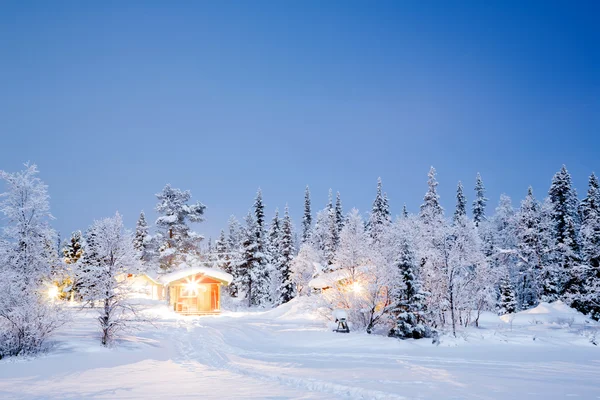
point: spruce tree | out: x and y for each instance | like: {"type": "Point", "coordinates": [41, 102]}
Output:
{"type": "Point", "coordinates": [507, 303]}
{"type": "Point", "coordinates": [404, 212]}
{"type": "Point", "coordinates": [587, 275]}
{"type": "Point", "coordinates": [176, 238]}
{"type": "Point", "coordinates": [287, 251]}
{"type": "Point", "coordinates": [461, 203]}
{"type": "Point", "coordinates": [480, 202]}
{"type": "Point", "coordinates": [332, 222]}
{"type": "Point", "coordinates": [380, 214]}
{"type": "Point", "coordinates": [339, 213]}
{"type": "Point", "coordinates": [261, 279]}
{"type": "Point", "coordinates": [307, 217]}
{"type": "Point", "coordinates": [140, 240]}
{"type": "Point", "coordinates": [563, 200]}
{"type": "Point", "coordinates": [234, 245]}
{"type": "Point", "coordinates": [431, 210]}
{"type": "Point", "coordinates": [409, 308]}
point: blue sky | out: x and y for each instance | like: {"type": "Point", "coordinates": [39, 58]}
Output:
{"type": "Point", "coordinates": [113, 100]}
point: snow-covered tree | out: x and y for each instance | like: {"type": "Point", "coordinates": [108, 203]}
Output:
{"type": "Point", "coordinates": [587, 275]}
{"type": "Point", "coordinates": [380, 217]}
{"type": "Point", "coordinates": [461, 203]}
{"type": "Point", "coordinates": [304, 267]}
{"type": "Point", "coordinates": [234, 245]}
{"type": "Point", "coordinates": [27, 317]}
{"type": "Point", "coordinates": [353, 251]}
{"type": "Point", "coordinates": [286, 256]}
{"type": "Point", "coordinates": [507, 303]}
{"type": "Point", "coordinates": [72, 252]}
{"type": "Point", "coordinates": [105, 283]}
{"type": "Point", "coordinates": [339, 213]}
{"type": "Point", "coordinates": [563, 201]}
{"type": "Point", "coordinates": [480, 201]}
{"type": "Point", "coordinates": [274, 237]}
{"type": "Point", "coordinates": [408, 308]}
{"type": "Point", "coordinates": [306, 217]}
{"type": "Point", "coordinates": [261, 271]}
{"type": "Point", "coordinates": [176, 237]}
{"type": "Point", "coordinates": [322, 235]}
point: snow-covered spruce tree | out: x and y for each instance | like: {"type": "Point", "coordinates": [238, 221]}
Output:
{"type": "Point", "coordinates": [404, 212]}
{"type": "Point", "coordinates": [274, 255]}
{"type": "Point", "coordinates": [339, 213]}
{"type": "Point", "coordinates": [306, 217]}
{"type": "Point", "coordinates": [142, 241]}
{"type": "Point", "coordinates": [176, 238]}
{"type": "Point", "coordinates": [104, 283]}
{"type": "Point", "coordinates": [261, 271]}
{"type": "Point", "coordinates": [248, 261]}
{"type": "Point", "coordinates": [222, 258]}
{"type": "Point", "coordinates": [432, 232]}
{"type": "Point", "coordinates": [27, 317]}
{"type": "Point", "coordinates": [408, 307]}
{"type": "Point", "coordinates": [563, 200]}
{"type": "Point", "coordinates": [480, 201]}
{"type": "Point", "coordinates": [234, 244]}
{"type": "Point", "coordinates": [380, 217]}
{"type": "Point", "coordinates": [461, 203]}
{"type": "Point", "coordinates": [551, 280]}
{"type": "Point", "coordinates": [322, 238]}
{"type": "Point", "coordinates": [587, 298]}
{"type": "Point", "coordinates": [286, 252]}
{"type": "Point", "coordinates": [353, 252]}
{"type": "Point", "coordinates": [72, 252]}
{"type": "Point", "coordinates": [507, 304]}
{"type": "Point", "coordinates": [530, 251]}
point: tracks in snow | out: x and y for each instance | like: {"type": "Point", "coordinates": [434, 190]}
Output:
{"type": "Point", "coordinates": [206, 345]}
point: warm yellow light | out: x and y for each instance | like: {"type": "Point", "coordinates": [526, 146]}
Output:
{"type": "Point", "coordinates": [356, 287]}
{"type": "Point", "coordinates": [191, 287]}
{"type": "Point", "coordinates": [53, 292]}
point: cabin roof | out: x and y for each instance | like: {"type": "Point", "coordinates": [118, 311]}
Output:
{"type": "Point", "coordinates": [328, 279]}
{"type": "Point", "coordinates": [221, 276]}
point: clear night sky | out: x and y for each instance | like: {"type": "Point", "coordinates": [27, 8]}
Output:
{"type": "Point", "coordinates": [114, 99]}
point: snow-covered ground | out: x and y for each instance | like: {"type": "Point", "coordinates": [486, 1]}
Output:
{"type": "Point", "coordinates": [289, 352]}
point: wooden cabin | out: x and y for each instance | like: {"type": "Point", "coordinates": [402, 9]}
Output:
{"type": "Point", "coordinates": [195, 290]}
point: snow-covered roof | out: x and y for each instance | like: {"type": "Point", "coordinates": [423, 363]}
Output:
{"type": "Point", "coordinates": [329, 278]}
{"type": "Point", "coordinates": [189, 271]}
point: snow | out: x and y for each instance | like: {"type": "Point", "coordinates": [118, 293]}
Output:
{"type": "Point", "coordinates": [189, 271]}
{"type": "Point", "coordinates": [289, 352]}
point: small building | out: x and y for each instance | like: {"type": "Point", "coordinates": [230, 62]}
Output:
{"type": "Point", "coordinates": [195, 290]}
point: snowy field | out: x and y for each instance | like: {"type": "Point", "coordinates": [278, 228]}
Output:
{"type": "Point", "coordinates": [289, 352]}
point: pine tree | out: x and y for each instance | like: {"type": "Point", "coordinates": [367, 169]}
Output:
{"type": "Point", "coordinates": [380, 214]}
{"type": "Point", "coordinates": [508, 302]}
{"type": "Point", "coordinates": [587, 296]}
{"type": "Point", "coordinates": [234, 245]}
{"type": "Point", "coordinates": [141, 238]}
{"type": "Point", "coordinates": [261, 270]}
{"type": "Point", "coordinates": [248, 261]}
{"type": "Point", "coordinates": [563, 200]}
{"type": "Point", "coordinates": [274, 254]}
{"type": "Point", "coordinates": [332, 222]}
{"type": "Point", "coordinates": [480, 202]}
{"type": "Point", "coordinates": [223, 259]}
{"type": "Point", "coordinates": [73, 250]}
{"type": "Point", "coordinates": [287, 251]}
{"type": "Point", "coordinates": [339, 213]}
{"type": "Point", "coordinates": [530, 249]}
{"type": "Point", "coordinates": [307, 217]}
{"type": "Point", "coordinates": [177, 240]}
{"type": "Point", "coordinates": [461, 203]}
{"type": "Point", "coordinates": [431, 210]}
{"type": "Point", "coordinates": [404, 212]}
{"type": "Point", "coordinates": [409, 308]}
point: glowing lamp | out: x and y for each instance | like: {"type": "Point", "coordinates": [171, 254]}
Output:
{"type": "Point", "coordinates": [191, 287]}
{"type": "Point", "coordinates": [356, 287]}
{"type": "Point", "coordinates": [53, 292]}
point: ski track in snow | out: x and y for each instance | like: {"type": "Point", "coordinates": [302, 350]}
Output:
{"type": "Point", "coordinates": [203, 350]}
